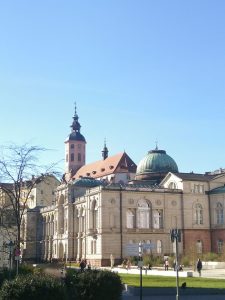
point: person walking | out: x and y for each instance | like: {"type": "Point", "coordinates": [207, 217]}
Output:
{"type": "Point", "coordinates": [82, 265]}
{"type": "Point", "coordinates": [199, 266]}
{"type": "Point", "coordinates": [166, 264]}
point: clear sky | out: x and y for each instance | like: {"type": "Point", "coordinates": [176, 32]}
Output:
{"type": "Point", "coordinates": [140, 71]}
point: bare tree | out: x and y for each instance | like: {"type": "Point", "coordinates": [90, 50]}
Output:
{"type": "Point", "coordinates": [20, 171]}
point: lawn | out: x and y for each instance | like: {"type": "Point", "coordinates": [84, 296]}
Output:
{"type": "Point", "coordinates": [162, 281]}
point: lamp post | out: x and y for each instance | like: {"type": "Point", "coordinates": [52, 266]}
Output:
{"type": "Point", "coordinates": [140, 264]}
{"type": "Point", "coordinates": [175, 234]}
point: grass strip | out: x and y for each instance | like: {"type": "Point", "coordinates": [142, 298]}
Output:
{"type": "Point", "coordinates": [163, 281]}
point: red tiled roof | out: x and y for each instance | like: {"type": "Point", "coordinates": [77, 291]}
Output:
{"type": "Point", "coordinates": [120, 162]}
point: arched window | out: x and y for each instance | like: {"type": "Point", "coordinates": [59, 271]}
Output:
{"type": "Point", "coordinates": [198, 214]}
{"type": "Point", "coordinates": [159, 246]}
{"type": "Point", "coordinates": [199, 247]}
{"type": "Point", "coordinates": [143, 214]}
{"type": "Point", "coordinates": [220, 246]}
{"type": "Point", "coordinates": [157, 219]}
{"type": "Point", "coordinates": [130, 218]}
{"type": "Point", "coordinates": [219, 214]}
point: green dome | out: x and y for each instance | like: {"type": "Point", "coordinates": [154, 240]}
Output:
{"type": "Point", "coordinates": [155, 164]}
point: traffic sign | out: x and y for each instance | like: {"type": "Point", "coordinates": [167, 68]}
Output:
{"type": "Point", "coordinates": [17, 252]}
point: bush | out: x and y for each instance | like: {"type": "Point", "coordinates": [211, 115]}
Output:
{"type": "Point", "coordinates": [185, 261]}
{"type": "Point", "coordinates": [210, 257]}
{"type": "Point", "coordinates": [5, 274]}
{"type": "Point", "coordinates": [93, 285]}
{"type": "Point", "coordinates": [134, 260]}
{"type": "Point", "coordinates": [33, 287]}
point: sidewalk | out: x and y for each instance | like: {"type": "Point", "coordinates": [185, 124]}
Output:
{"type": "Point", "coordinates": [212, 273]}
{"type": "Point", "coordinates": [173, 297]}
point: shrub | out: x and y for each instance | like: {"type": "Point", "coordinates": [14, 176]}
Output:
{"type": "Point", "coordinates": [134, 260]}
{"type": "Point", "coordinates": [26, 269]}
{"type": "Point", "coordinates": [93, 285]}
{"type": "Point", "coordinates": [5, 274]}
{"type": "Point", "coordinates": [32, 287]}
{"type": "Point", "coordinates": [210, 256]}
{"type": "Point", "coordinates": [185, 260]}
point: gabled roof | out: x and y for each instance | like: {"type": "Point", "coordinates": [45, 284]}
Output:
{"type": "Point", "coordinates": [189, 176]}
{"type": "Point", "coordinates": [119, 163]}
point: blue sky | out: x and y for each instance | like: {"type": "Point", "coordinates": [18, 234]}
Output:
{"type": "Point", "coordinates": [140, 71]}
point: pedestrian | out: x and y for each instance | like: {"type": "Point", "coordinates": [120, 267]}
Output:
{"type": "Point", "coordinates": [128, 264]}
{"type": "Point", "coordinates": [82, 265]}
{"type": "Point", "coordinates": [166, 264]}
{"type": "Point", "coordinates": [174, 265]}
{"type": "Point", "coordinates": [199, 266]}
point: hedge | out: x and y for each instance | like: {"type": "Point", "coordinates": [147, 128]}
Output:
{"type": "Point", "coordinates": [93, 285]}
{"type": "Point", "coordinates": [33, 287]}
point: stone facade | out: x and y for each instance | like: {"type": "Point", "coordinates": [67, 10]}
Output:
{"type": "Point", "coordinates": [98, 212]}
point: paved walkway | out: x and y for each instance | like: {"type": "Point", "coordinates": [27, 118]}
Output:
{"type": "Point", "coordinates": [171, 297]}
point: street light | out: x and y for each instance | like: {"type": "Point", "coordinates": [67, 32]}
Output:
{"type": "Point", "coordinates": [140, 264]}
{"type": "Point", "coordinates": [175, 234]}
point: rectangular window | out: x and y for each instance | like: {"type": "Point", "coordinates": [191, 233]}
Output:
{"type": "Point", "coordinates": [72, 157]}
{"type": "Point", "coordinates": [199, 189]}
{"type": "Point", "coordinates": [79, 157]}
{"type": "Point", "coordinates": [220, 246]}
{"type": "Point", "coordinates": [72, 146]}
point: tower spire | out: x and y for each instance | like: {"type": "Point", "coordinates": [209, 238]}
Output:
{"type": "Point", "coordinates": [75, 108]}
{"type": "Point", "coordinates": [75, 125]}
{"type": "Point", "coordinates": [105, 151]}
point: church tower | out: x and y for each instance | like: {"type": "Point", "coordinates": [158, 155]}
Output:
{"type": "Point", "coordinates": [75, 147]}
{"type": "Point", "coordinates": [105, 151]}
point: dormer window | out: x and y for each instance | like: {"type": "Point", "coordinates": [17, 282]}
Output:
{"type": "Point", "coordinates": [123, 167]}
{"type": "Point", "coordinates": [93, 172]}
{"type": "Point", "coordinates": [111, 167]}
{"type": "Point", "coordinates": [88, 174]}
{"type": "Point", "coordinates": [102, 169]}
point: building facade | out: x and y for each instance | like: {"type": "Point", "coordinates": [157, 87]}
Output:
{"type": "Point", "coordinates": [103, 207]}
